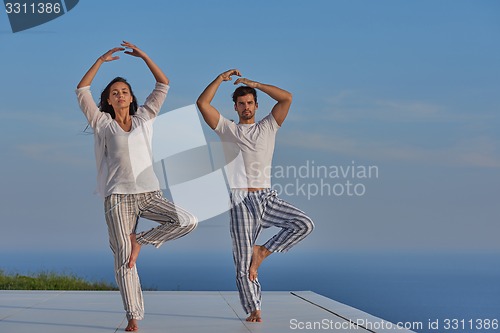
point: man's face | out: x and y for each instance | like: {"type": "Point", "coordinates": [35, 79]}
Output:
{"type": "Point", "coordinates": [246, 107]}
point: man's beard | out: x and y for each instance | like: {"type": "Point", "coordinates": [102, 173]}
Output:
{"type": "Point", "coordinates": [247, 115]}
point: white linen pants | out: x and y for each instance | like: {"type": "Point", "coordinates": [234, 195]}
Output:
{"type": "Point", "coordinates": [122, 213]}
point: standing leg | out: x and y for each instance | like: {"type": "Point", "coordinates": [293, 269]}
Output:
{"type": "Point", "coordinates": [121, 217]}
{"type": "Point", "coordinates": [245, 228]}
{"type": "Point", "coordinates": [175, 222]}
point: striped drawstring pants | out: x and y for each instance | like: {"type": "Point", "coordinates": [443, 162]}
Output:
{"type": "Point", "coordinates": [122, 213]}
{"type": "Point", "coordinates": [250, 212]}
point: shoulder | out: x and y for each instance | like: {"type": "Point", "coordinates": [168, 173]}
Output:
{"type": "Point", "coordinates": [224, 124]}
{"type": "Point", "coordinates": [269, 123]}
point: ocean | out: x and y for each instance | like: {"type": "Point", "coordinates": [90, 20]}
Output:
{"type": "Point", "coordinates": [461, 289]}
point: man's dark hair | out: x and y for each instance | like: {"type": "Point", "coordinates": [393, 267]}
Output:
{"type": "Point", "coordinates": [244, 90]}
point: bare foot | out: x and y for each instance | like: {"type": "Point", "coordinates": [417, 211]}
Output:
{"type": "Point", "coordinates": [132, 326]}
{"type": "Point", "coordinates": [136, 248]}
{"type": "Point", "coordinates": [254, 317]}
{"type": "Point", "coordinates": [259, 254]}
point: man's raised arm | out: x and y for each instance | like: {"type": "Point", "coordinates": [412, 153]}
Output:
{"type": "Point", "coordinates": [209, 113]}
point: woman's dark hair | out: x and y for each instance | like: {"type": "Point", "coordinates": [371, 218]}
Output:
{"type": "Point", "coordinates": [103, 103]}
{"type": "Point", "coordinates": [244, 90]}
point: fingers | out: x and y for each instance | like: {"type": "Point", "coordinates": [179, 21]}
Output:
{"type": "Point", "coordinates": [245, 81]}
{"type": "Point", "coordinates": [128, 45]}
{"type": "Point", "coordinates": [113, 50]}
{"type": "Point", "coordinates": [108, 56]}
{"type": "Point", "coordinates": [240, 80]}
{"type": "Point", "coordinates": [135, 51]}
{"type": "Point", "coordinates": [226, 76]}
{"type": "Point", "coordinates": [116, 49]}
{"type": "Point", "coordinates": [235, 72]}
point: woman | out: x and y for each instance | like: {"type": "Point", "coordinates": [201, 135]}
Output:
{"type": "Point", "coordinates": [122, 133]}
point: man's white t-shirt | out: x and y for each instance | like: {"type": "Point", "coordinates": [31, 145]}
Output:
{"type": "Point", "coordinates": [249, 151]}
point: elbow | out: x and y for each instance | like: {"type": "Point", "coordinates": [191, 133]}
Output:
{"type": "Point", "coordinates": [164, 80]}
{"type": "Point", "coordinates": [287, 98]}
{"type": "Point", "coordinates": [200, 104]}
{"type": "Point", "coordinates": [82, 84]}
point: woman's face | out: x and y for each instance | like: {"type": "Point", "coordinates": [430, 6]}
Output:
{"type": "Point", "coordinates": [120, 97]}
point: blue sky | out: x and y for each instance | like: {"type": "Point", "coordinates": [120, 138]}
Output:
{"type": "Point", "coordinates": [408, 87]}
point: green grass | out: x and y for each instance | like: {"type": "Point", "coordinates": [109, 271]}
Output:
{"type": "Point", "coordinates": [49, 281]}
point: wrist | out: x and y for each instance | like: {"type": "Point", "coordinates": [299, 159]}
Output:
{"type": "Point", "coordinates": [253, 84]}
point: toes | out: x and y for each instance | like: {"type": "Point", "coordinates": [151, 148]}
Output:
{"type": "Point", "coordinates": [254, 318]}
{"type": "Point", "coordinates": [132, 327]}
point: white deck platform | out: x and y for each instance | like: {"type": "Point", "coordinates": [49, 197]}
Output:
{"type": "Point", "coordinates": [179, 312]}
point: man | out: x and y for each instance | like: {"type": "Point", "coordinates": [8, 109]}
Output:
{"type": "Point", "coordinates": [253, 204]}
